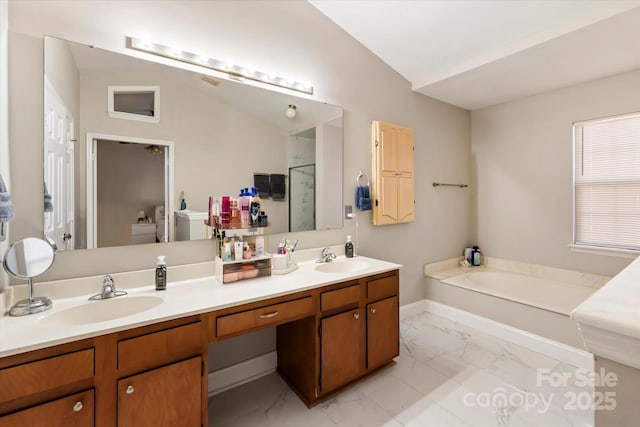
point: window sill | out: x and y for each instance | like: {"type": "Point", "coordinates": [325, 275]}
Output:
{"type": "Point", "coordinates": [597, 250]}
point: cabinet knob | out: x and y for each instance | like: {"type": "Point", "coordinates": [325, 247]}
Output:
{"type": "Point", "coordinates": [130, 389]}
{"type": "Point", "coordinates": [373, 310]}
{"type": "Point", "coordinates": [78, 407]}
{"type": "Point", "coordinates": [356, 315]}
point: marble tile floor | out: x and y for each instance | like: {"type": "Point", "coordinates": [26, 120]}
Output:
{"type": "Point", "coordinates": [447, 374]}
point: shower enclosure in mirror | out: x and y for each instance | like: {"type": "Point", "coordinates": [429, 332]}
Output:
{"type": "Point", "coordinates": [113, 181]}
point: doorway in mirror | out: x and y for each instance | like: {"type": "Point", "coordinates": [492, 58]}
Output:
{"type": "Point", "coordinates": [128, 190]}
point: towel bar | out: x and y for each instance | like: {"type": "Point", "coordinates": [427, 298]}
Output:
{"type": "Point", "coordinates": [438, 184]}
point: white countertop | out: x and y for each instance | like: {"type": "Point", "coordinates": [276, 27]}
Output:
{"type": "Point", "coordinates": [182, 298]}
{"type": "Point", "coordinates": [609, 320]}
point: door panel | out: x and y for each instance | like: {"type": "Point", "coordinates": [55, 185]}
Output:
{"type": "Point", "coordinates": [383, 332]}
{"type": "Point", "coordinates": [406, 210]}
{"type": "Point", "coordinates": [167, 396]}
{"type": "Point", "coordinates": [59, 170]}
{"type": "Point", "coordinates": [340, 349]}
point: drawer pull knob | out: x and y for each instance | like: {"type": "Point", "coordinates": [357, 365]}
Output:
{"type": "Point", "coordinates": [373, 310]}
{"type": "Point", "coordinates": [356, 315]}
{"type": "Point", "coordinates": [130, 389]}
{"type": "Point", "coordinates": [78, 407]}
{"type": "Point", "coordinates": [268, 315]}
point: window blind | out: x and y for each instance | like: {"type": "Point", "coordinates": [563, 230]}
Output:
{"type": "Point", "coordinates": [607, 183]}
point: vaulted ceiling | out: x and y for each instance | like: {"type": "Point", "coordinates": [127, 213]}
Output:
{"type": "Point", "coordinates": [478, 53]}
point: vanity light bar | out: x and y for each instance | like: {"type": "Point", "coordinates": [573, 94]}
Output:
{"type": "Point", "coordinates": [234, 71]}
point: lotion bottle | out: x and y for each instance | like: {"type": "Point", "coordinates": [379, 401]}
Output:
{"type": "Point", "coordinates": [259, 246]}
{"type": "Point", "coordinates": [348, 248]}
{"type": "Point", "coordinates": [161, 274]}
{"type": "Point", "coordinates": [237, 250]}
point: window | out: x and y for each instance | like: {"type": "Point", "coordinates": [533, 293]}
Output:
{"type": "Point", "coordinates": [140, 103]}
{"type": "Point", "coordinates": [607, 183]}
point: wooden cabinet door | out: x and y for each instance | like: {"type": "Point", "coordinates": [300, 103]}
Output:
{"type": "Point", "coordinates": [393, 178]}
{"type": "Point", "coordinates": [340, 349]}
{"type": "Point", "coordinates": [406, 203]}
{"type": "Point", "coordinates": [76, 410]}
{"type": "Point", "coordinates": [167, 396]}
{"type": "Point", "coordinates": [383, 336]}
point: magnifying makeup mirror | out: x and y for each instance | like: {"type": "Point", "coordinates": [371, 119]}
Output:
{"type": "Point", "coordinates": [26, 259]}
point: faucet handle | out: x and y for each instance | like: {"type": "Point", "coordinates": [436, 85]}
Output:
{"type": "Point", "coordinates": [107, 280]}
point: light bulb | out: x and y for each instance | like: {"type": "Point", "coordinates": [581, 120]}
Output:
{"type": "Point", "coordinates": [176, 51]}
{"type": "Point", "coordinates": [291, 111]}
{"type": "Point", "coordinates": [251, 69]}
{"type": "Point", "coordinates": [271, 76]}
{"type": "Point", "coordinates": [203, 58]}
{"type": "Point", "coordinates": [228, 64]}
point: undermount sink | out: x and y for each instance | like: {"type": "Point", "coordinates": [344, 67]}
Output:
{"type": "Point", "coordinates": [103, 310]}
{"type": "Point", "coordinates": [342, 266]}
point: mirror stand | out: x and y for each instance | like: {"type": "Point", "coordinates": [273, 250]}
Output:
{"type": "Point", "coordinates": [26, 259]}
{"type": "Point", "coordinates": [31, 305]}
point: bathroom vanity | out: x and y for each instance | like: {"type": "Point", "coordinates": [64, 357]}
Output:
{"type": "Point", "coordinates": [82, 366]}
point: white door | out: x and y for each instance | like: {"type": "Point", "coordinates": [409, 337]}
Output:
{"type": "Point", "coordinates": [59, 170]}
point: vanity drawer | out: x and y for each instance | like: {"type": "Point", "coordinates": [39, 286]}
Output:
{"type": "Point", "coordinates": [340, 297]}
{"type": "Point", "coordinates": [159, 348]}
{"type": "Point", "coordinates": [76, 410]}
{"type": "Point", "coordinates": [382, 287]}
{"type": "Point", "coordinates": [264, 316]}
{"type": "Point", "coordinates": [35, 377]}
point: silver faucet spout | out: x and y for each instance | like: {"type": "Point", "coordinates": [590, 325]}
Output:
{"type": "Point", "coordinates": [108, 289]}
{"type": "Point", "coordinates": [326, 255]}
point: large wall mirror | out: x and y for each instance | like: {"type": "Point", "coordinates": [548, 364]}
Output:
{"type": "Point", "coordinates": [127, 140]}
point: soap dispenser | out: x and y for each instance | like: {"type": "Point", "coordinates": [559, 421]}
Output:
{"type": "Point", "coordinates": [348, 248]}
{"type": "Point", "coordinates": [475, 256]}
{"type": "Point", "coordinates": [161, 274]}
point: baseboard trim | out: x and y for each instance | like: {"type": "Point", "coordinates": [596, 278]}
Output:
{"type": "Point", "coordinates": [557, 350]}
{"type": "Point", "coordinates": [412, 309]}
{"type": "Point", "coordinates": [241, 373]}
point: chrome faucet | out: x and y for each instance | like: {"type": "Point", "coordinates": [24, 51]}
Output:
{"type": "Point", "coordinates": [326, 255]}
{"type": "Point", "coordinates": [108, 289]}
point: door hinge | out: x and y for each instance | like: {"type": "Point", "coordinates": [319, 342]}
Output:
{"type": "Point", "coordinates": [376, 142]}
{"type": "Point", "coordinates": [376, 202]}
{"type": "Point", "coordinates": [320, 330]}
{"type": "Point", "coordinates": [202, 368]}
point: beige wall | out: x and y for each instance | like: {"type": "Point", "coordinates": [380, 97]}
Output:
{"type": "Point", "coordinates": [210, 137]}
{"type": "Point", "coordinates": [522, 172]}
{"type": "Point", "coordinates": [343, 73]}
{"type": "Point", "coordinates": [63, 75]}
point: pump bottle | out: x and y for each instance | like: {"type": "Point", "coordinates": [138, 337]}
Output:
{"type": "Point", "coordinates": [161, 274]}
{"type": "Point", "coordinates": [348, 248]}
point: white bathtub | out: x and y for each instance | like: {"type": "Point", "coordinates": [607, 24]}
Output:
{"type": "Point", "coordinates": [548, 294]}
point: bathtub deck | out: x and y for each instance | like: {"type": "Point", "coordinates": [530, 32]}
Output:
{"type": "Point", "coordinates": [551, 289]}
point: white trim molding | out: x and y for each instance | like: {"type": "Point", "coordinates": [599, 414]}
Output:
{"type": "Point", "coordinates": [242, 373]}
